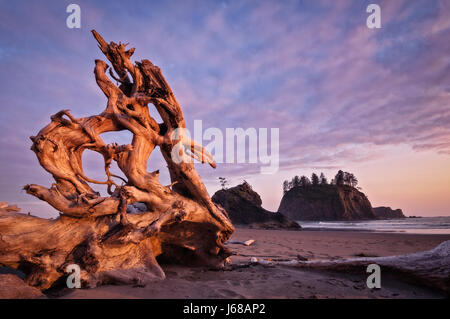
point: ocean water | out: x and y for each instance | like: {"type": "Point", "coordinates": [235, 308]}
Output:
{"type": "Point", "coordinates": [423, 225]}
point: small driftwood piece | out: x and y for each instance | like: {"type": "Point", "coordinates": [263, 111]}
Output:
{"type": "Point", "coordinates": [245, 243]}
{"type": "Point", "coordinates": [180, 223]}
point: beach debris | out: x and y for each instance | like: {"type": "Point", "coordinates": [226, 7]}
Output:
{"type": "Point", "coordinates": [266, 262]}
{"type": "Point", "coordinates": [301, 258]}
{"type": "Point", "coordinates": [249, 242]}
{"type": "Point", "coordinates": [245, 243]}
{"type": "Point", "coordinates": [365, 255]}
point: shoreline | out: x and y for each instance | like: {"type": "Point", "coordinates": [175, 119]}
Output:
{"type": "Point", "coordinates": [257, 281]}
{"type": "Point", "coordinates": [425, 225]}
{"type": "Point", "coordinates": [361, 230]}
{"type": "Point", "coordinates": [336, 243]}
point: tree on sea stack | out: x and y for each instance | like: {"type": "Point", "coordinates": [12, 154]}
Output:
{"type": "Point", "coordinates": [286, 187]}
{"type": "Point", "coordinates": [323, 179]}
{"type": "Point", "coordinates": [223, 182]}
{"type": "Point", "coordinates": [339, 178]}
{"type": "Point", "coordinates": [180, 222]}
{"type": "Point", "coordinates": [315, 179]}
{"type": "Point", "coordinates": [304, 181]}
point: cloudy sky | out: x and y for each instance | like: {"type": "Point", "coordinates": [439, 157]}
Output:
{"type": "Point", "coordinates": [375, 102]}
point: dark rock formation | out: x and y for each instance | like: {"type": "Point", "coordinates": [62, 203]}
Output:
{"type": "Point", "coordinates": [326, 202]}
{"type": "Point", "coordinates": [243, 205]}
{"type": "Point", "coordinates": [388, 213]}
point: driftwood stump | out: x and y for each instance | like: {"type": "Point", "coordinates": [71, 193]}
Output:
{"type": "Point", "coordinates": [180, 223]}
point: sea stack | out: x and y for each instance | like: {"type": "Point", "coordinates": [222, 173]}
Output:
{"type": "Point", "coordinates": [326, 202]}
{"type": "Point", "coordinates": [243, 205]}
{"type": "Point", "coordinates": [388, 213]}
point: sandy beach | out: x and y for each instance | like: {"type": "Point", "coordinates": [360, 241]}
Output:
{"type": "Point", "coordinates": [257, 281]}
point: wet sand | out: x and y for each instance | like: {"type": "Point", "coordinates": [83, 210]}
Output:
{"type": "Point", "coordinates": [259, 281]}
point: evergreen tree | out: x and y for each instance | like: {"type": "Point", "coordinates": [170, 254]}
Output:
{"type": "Point", "coordinates": [352, 180]}
{"type": "Point", "coordinates": [296, 181]}
{"type": "Point", "coordinates": [315, 179]}
{"type": "Point", "coordinates": [323, 179]}
{"type": "Point", "coordinates": [346, 178]}
{"type": "Point", "coordinates": [339, 178]}
{"type": "Point", "coordinates": [285, 187]}
{"type": "Point", "coordinates": [304, 181]}
{"type": "Point", "coordinates": [291, 184]}
{"type": "Point", "coordinates": [223, 182]}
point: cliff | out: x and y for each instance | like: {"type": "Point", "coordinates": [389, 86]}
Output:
{"type": "Point", "coordinates": [388, 213]}
{"type": "Point", "coordinates": [326, 202]}
{"type": "Point", "coordinates": [243, 205]}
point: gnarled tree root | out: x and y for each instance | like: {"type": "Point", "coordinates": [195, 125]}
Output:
{"type": "Point", "coordinates": [181, 222]}
{"type": "Point", "coordinates": [106, 250]}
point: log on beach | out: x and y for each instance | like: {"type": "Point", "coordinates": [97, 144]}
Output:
{"type": "Point", "coordinates": [179, 223]}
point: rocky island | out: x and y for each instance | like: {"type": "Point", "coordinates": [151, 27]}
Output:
{"type": "Point", "coordinates": [243, 205]}
{"type": "Point", "coordinates": [388, 213]}
{"type": "Point", "coordinates": [326, 202]}
{"type": "Point", "coordinates": [318, 200]}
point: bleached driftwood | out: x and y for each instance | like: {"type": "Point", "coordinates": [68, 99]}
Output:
{"type": "Point", "coordinates": [180, 223]}
{"type": "Point", "coordinates": [245, 243]}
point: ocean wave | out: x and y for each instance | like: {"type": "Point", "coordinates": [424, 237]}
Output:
{"type": "Point", "coordinates": [424, 225]}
